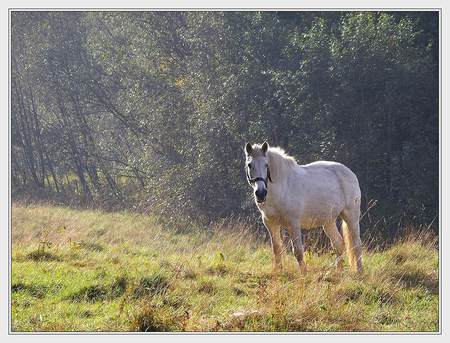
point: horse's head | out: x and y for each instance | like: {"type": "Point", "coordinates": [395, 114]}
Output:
{"type": "Point", "coordinates": [257, 169]}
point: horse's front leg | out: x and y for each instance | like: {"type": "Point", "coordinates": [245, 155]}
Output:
{"type": "Point", "coordinates": [277, 244]}
{"type": "Point", "coordinates": [296, 235]}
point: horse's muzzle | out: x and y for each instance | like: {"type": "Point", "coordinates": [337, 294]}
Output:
{"type": "Point", "coordinates": [260, 195]}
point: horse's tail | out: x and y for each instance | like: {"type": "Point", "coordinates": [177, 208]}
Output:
{"type": "Point", "coordinates": [349, 244]}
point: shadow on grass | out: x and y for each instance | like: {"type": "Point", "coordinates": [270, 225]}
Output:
{"type": "Point", "coordinates": [416, 279]}
{"type": "Point", "coordinates": [37, 291]}
{"type": "Point", "coordinates": [96, 293]}
{"type": "Point", "coordinates": [43, 256]}
{"type": "Point", "coordinates": [91, 246]}
{"type": "Point", "coordinates": [155, 284]}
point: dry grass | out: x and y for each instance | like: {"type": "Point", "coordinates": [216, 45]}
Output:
{"type": "Point", "coordinates": [92, 271]}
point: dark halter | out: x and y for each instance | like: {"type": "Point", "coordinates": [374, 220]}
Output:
{"type": "Point", "coordinates": [252, 181]}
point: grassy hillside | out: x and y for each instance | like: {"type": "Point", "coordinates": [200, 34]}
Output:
{"type": "Point", "coordinates": [93, 271]}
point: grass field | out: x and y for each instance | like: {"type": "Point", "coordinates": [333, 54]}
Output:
{"type": "Point", "coordinates": [93, 271]}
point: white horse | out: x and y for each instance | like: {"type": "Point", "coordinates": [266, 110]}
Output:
{"type": "Point", "coordinates": [307, 196]}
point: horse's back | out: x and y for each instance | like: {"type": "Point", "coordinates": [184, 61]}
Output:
{"type": "Point", "coordinates": [326, 172]}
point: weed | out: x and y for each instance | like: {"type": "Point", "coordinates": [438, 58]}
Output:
{"type": "Point", "coordinates": [153, 318]}
{"type": "Point", "coordinates": [207, 286]}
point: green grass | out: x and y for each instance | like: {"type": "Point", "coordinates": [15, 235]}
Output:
{"type": "Point", "coordinates": [93, 271]}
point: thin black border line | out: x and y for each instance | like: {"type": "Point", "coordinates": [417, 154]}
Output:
{"type": "Point", "coordinates": [225, 9]}
{"type": "Point", "coordinates": [440, 171]}
{"type": "Point", "coordinates": [9, 180]}
{"type": "Point", "coordinates": [104, 333]}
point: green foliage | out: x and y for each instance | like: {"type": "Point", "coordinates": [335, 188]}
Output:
{"type": "Point", "coordinates": [150, 111]}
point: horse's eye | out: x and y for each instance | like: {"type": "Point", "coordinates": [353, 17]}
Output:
{"type": "Point", "coordinates": [249, 166]}
{"type": "Point", "coordinates": [267, 165]}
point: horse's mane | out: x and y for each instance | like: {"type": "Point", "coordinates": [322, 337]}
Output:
{"type": "Point", "coordinates": [280, 162]}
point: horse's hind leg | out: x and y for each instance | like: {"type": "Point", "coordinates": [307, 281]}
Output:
{"type": "Point", "coordinates": [337, 241]}
{"type": "Point", "coordinates": [296, 235]}
{"type": "Point", "coordinates": [350, 230]}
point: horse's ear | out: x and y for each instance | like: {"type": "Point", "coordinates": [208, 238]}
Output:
{"type": "Point", "coordinates": [265, 147]}
{"type": "Point", "coordinates": [248, 148]}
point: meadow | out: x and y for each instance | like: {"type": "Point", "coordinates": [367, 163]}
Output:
{"type": "Point", "coordinates": [88, 270]}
